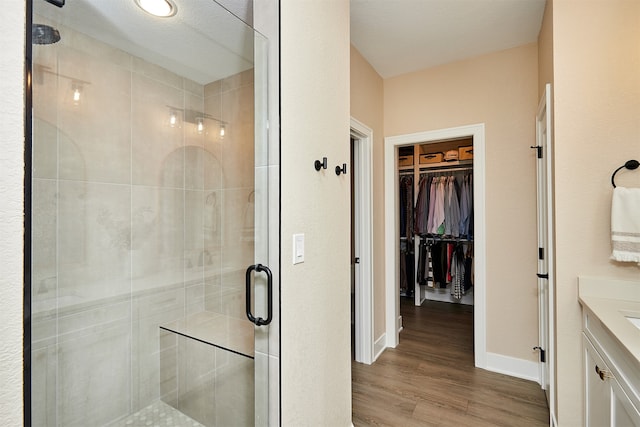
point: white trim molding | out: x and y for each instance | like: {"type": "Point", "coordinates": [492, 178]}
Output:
{"type": "Point", "coordinates": [379, 346]}
{"type": "Point", "coordinates": [519, 368]}
{"type": "Point", "coordinates": [363, 157]}
{"type": "Point", "coordinates": [391, 231]}
{"type": "Point", "coordinates": [545, 108]}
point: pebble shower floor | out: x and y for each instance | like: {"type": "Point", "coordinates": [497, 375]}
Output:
{"type": "Point", "coordinates": [158, 414]}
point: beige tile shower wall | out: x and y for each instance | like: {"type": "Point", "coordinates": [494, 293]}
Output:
{"type": "Point", "coordinates": [137, 223]}
{"type": "Point", "coordinates": [212, 386]}
{"type": "Point", "coordinates": [596, 61]}
{"type": "Point", "coordinates": [229, 190]}
{"type": "Point", "coordinates": [500, 90]}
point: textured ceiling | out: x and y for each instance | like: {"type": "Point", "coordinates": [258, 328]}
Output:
{"type": "Point", "coordinates": [401, 36]}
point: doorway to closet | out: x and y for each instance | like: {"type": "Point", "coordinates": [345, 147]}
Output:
{"type": "Point", "coordinates": [393, 149]}
{"type": "Point", "coordinates": [435, 210]}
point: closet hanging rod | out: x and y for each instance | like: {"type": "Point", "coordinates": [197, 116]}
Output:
{"type": "Point", "coordinates": [440, 170]}
{"type": "Point", "coordinates": [446, 239]}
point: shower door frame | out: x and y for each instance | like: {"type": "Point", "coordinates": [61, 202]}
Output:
{"type": "Point", "coordinates": [28, 182]}
{"type": "Point", "coordinates": [273, 205]}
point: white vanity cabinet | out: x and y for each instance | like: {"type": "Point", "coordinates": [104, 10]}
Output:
{"type": "Point", "coordinates": [606, 402]}
{"type": "Point", "coordinates": [611, 351]}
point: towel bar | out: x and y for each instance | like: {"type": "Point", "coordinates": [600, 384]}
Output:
{"type": "Point", "coordinates": [630, 164]}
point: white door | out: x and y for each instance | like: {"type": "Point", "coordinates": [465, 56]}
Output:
{"type": "Point", "coordinates": [545, 248]}
{"type": "Point", "coordinates": [362, 226]}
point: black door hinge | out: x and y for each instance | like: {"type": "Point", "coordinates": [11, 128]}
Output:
{"type": "Point", "coordinates": [540, 253]}
{"type": "Point", "coordinates": [543, 358]}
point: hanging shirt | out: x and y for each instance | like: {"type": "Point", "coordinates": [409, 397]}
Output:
{"type": "Point", "coordinates": [432, 204]}
{"type": "Point", "coordinates": [406, 206]}
{"type": "Point", "coordinates": [409, 206]}
{"type": "Point", "coordinates": [452, 209]}
{"type": "Point", "coordinates": [422, 205]}
{"type": "Point", "coordinates": [470, 219]}
{"type": "Point", "coordinates": [465, 209]}
{"type": "Point", "coordinates": [438, 212]}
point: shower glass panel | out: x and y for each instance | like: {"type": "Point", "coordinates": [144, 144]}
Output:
{"type": "Point", "coordinates": [149, 203]}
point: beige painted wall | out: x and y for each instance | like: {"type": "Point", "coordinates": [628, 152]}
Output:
{"type": "Point", "coordinates": [596, 60]}
{"type": "Point", "coordinates": [500, 90]}
{"type": "Point", "coordinates": [367, 107]}
{"type": "Point", "coordinates": [11, 208]}
{"type": "Point", "coordinates": [545, 49]}
{"type": "Point", "coordinates": [315, 295]}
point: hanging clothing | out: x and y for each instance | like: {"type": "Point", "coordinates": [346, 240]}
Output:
{"type": "Point", "coordinates": [406, 206]}
{"type": "Point", "coordinates": [452, 208]}
{"type": "Point", "coordinates": [465, 208]}
{"type": "Point", "coordinates": [403, 271]}
{"type": "Point", "coordinates": [443, 206]}
{"type": "Point", "coordinates": [437, 201]}
{"type": "Point", "coordinates": [468, 272]}
{"type": "Point", "coordinates": [442, 214]}
{"type": "Point", "coordinates": [422, 205]}
{"type": "Point", "coordinates": [424, 274]}
{"type": "Point", "coordinates": [458, 272]}
{"type": "Point", "coordinates": [406, 233]}
{"type": "Point", "coordinates": [421, 274]}
{"type": "Point", "coordinates": [439, 257]}
{"type": "Point", "coordinates": [469, 227]}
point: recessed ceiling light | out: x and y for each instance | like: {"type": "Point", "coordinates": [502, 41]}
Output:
{"type": "Point", "coordinates": [161, 8]}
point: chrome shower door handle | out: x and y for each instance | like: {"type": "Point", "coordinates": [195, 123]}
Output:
{"type": "Point", "coordinates": [259, 268]}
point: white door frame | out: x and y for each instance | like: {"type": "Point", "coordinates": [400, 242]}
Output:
{"type": "Point", "coordinates": [363, 202]}
{"type": "Point", "coordinates": [547, 329]}
{"type": "Point", "coordinates": [392, 240]}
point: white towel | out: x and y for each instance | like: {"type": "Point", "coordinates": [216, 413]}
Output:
{"type": "Point", "coordinates": [625, 224]}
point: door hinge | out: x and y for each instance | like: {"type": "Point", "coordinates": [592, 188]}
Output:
{"type": "Point", "coordinates": [543, 358]}
{"type": "Point", "coordinates": [538, 150]}
{"type": "Point", "coordinates": [356, 261]}
{"type": "Point", "coordinates": [542, 275]}
{"type": "Point", "coordinates": [540, 253]}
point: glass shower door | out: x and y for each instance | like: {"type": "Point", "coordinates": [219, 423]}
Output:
{"type": "Point", "coordinates": [149, 202]}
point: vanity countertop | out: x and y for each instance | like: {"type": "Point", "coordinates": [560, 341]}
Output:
{"type": "Point", "coordinates": [614, 303]}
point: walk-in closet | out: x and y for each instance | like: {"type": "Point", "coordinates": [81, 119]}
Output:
{"type": "Point", "coordinates": [436, 249]}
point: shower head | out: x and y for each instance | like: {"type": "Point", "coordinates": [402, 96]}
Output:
{"type": "Point", "coordinates": [44, 34]}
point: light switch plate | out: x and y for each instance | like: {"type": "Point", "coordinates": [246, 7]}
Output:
{"type": "Point", "coordinates": [298, 248]}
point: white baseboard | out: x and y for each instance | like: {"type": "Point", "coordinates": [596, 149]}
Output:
{"type": "Point", "coordinates": [513, 367]}
{"type": "Point", "coordinates": [554, 422]}
{"type": "Point", "coordinates": [379, 345]}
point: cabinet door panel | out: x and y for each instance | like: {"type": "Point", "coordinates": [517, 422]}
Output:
{"type": "Point", "coordinates": [623, 413]}
{"type": "Point", "coordinates": [597, 390]}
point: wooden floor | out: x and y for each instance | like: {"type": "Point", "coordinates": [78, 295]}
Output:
{"type": "Point", "coordinates": [429, 379]}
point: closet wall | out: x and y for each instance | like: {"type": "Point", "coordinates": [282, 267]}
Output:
{"type": "Point", "coordinates": [436, 221]}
